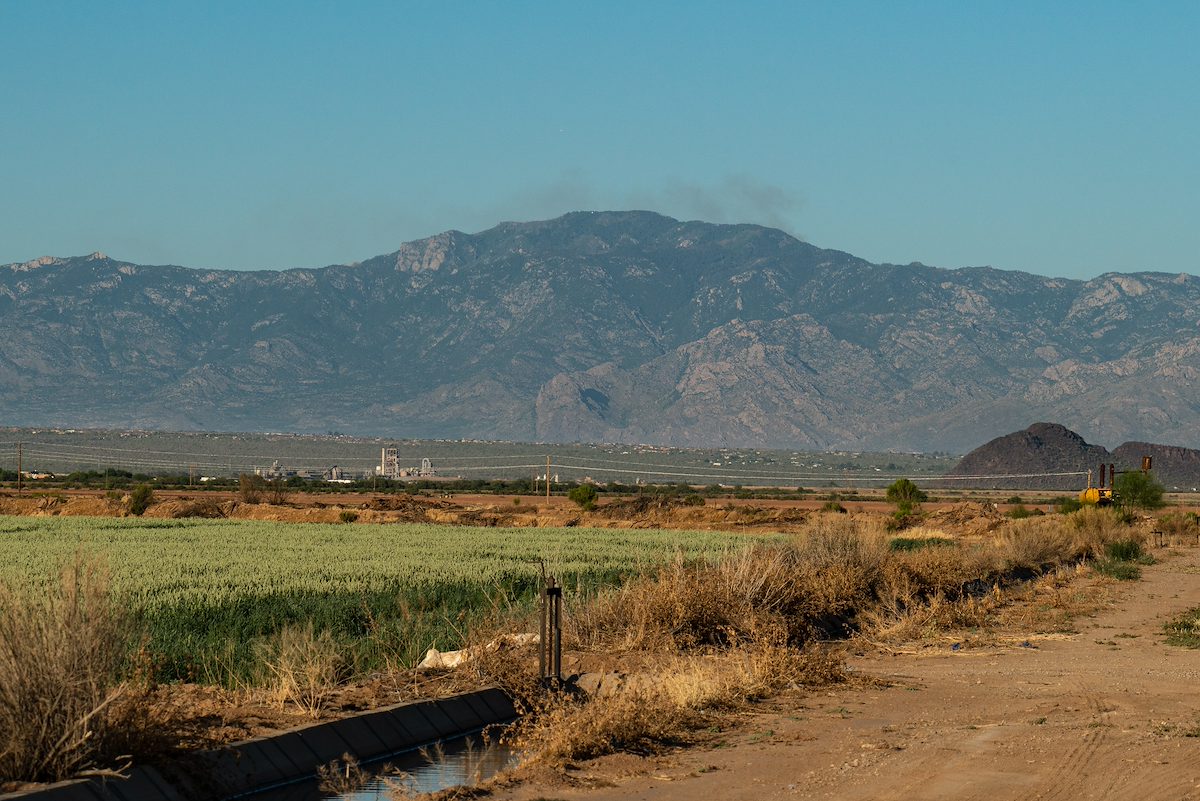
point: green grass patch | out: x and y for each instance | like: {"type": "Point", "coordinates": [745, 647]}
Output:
{"type": "Point", "coordinates": [1184, 630]}
{"type": "Point", "coordinates": [1118, 569]}
{"type": "Point", "coordinates": [1020, 512]}
{"type": "Point", "coordinates": [918, 543]}
{"type": "Point", "coordinates": [1124, 550]}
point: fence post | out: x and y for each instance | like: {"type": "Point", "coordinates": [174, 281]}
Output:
{"type": "Point", "coordinates": [550, 637]}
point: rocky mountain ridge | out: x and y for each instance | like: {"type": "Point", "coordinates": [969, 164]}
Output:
{"type": "Point", "coordinates": [604, 326]}
{"type": "Point", "coordinates": [1052, 448]}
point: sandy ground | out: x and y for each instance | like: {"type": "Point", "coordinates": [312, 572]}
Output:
{"type": "Point", "coordinates": [1108, 712]}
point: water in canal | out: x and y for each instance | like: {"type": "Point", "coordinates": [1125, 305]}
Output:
{"type": "Point", "coordinates": [463, 761]}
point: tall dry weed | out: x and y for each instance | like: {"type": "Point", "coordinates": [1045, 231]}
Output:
{"type": "Point", "coordinates": [1095, 528]}
{"type": "Point", "coordinates": [810, 587]}
{"type": "Point", "coordinates": [1035, 542]}
{"type": "Point", "coordinates": [637, 721]}
{"type": "Point", "coordinates": [834, 539]}
{"type": "Point", "coordinates": [302, 667]}
{"type": "Point", "coordinates": [62, 704]}
{"type": "Point", "coordinates": [1038, 542]}
{"type": "Point", "coordinates": [767, 586]}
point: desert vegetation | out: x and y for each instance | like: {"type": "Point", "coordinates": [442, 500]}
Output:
{"type": "Point", "coordinates": [713, 635]}
{"type": "Point", "coordinates": [698, 622]}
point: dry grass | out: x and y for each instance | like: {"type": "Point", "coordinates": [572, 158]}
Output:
{"type": "Point", "coordinates": [63, 708]}
{"type": "Point", "coordinates": [664, 707]}
{"type": "Point", "coordinates": [1095, 529]}
{"type": "Point", "coordinates": [1043, 542]}
{"type": "Point", "coordinates": [687, 605]}
{"type": "Point", "coordinates": [1179, 527]}
{"type": "Point", "coordinates": [638, 721]}
{"type": "Point", "coordinates": [302, 667]}
{"type": "Point", "coordinates": [1051, 603]}
{"type": "Point", "coordinates": [1034, 542]}
{"type": "Point", "coordinates": [808, 588]}
{"type": "Point", "coordinates": [342, 776]}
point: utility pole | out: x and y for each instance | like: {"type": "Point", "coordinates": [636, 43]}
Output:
{"type": "Point", "coordinates": [547, 478]}
{"type": "Point", "coordinates": [19, 466]}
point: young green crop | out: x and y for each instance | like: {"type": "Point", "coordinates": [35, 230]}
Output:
{"type": "Point", "coordinates": [207, 591]}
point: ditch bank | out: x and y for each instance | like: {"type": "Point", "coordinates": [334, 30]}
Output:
{"type": "Point", "coordinates": [264, 763]}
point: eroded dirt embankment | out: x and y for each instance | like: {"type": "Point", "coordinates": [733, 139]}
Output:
{"type": "Point", "coordinates": [648, 511]}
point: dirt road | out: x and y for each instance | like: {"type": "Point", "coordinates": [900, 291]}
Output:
{"type": "Point", "coordinates": [1109, 712]}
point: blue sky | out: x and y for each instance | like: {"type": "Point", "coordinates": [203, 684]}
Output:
{"type": "Point", "coordinates": [1055, 138]}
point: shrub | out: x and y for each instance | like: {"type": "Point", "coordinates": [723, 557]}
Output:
{"type": "Point", "coordinates": [1015, 499]}
{"type": "Point", "coordinates": [140, 499]}
{"type": "Point", "coordinates": [833, 506]}
{"type": "Point", "coordinates": [347, 516]}
{"type": "Point", "coordinates": [694, 499]}
{"type": "Point", "coordinates": [1124, 550]}
{"type": "Point", "coordinates": [1137, 490]}
{"type": "Point", "coordinates": [584, 495]}
{"type": "Point", "coordinates": [906, 495]}
{"type": "Point", "coordinates": [250, 487]}
{"type": "Point", "coordinates": [277, 491]}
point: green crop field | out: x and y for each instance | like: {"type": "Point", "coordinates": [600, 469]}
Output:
{"type": "Point", "coordinates": [207, 592]}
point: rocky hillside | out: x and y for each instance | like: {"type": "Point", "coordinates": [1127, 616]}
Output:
{"type": "Point", "coordinates": [604, 326]}
{"type": "Point", "coordinates": [1041, 448]}
{"type": "Point", "coordinates": [1052, 448]}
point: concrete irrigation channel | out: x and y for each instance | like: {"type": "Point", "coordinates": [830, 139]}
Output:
{"type": "Point", "coordinates": [243, 770]}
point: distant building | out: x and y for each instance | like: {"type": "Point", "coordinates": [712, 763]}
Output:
{"type": "Point", "coordinates": [389, 467]}
{"type": "Point", "coordinates": [275, 471]}
{"type": "Point", "coordinates": [389, 464]}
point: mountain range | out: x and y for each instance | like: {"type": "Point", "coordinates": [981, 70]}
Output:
{"type": "Point", "coordinates": [604, 326]}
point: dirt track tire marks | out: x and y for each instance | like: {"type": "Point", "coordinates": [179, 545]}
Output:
{"type": "Point", "coordinates": [1071, 772]}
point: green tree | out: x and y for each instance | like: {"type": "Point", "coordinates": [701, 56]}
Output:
{"type": "Point", "coordinates": [140, 499]}
{"type": "Point", "coordinates": [1138, 490]}
{"type": "Point", "coordinates": [584, 495]}
{"type": "Point", "coordinates": [906, 495]}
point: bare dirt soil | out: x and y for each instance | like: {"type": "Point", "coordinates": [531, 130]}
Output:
{"type": "Point", "coordinates": [1108, 711]}
{"type": "Point", "coordinates": [956, 516]}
